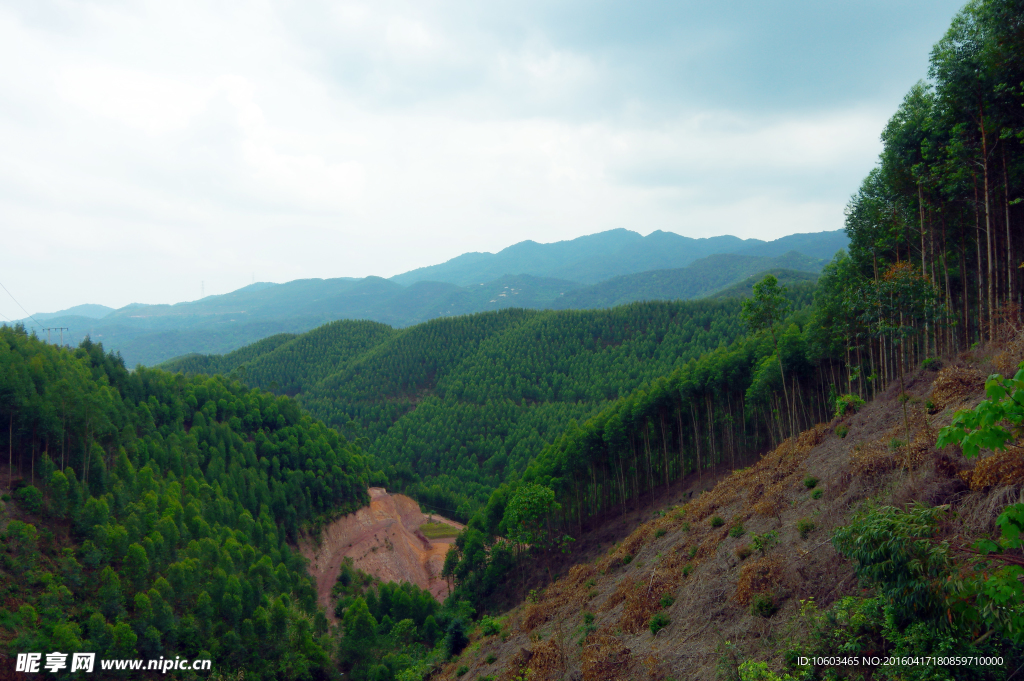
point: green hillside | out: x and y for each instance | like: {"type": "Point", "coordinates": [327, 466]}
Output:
{"type": "Point", "coordinates": [452, 407]}
{"type": "Point", "coordinates": [527, 275]}
{"type": "Point", "coordinates": [702, 278]}
{"type": "Point", "coordinates": [151, 513]}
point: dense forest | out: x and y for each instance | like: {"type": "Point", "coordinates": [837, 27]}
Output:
{"type": "Point", "coordinates": [164, 502]}
{"type": "Point", "coordinates": [167, 507]}
{"type": "Point", "coordinates": [451, 408]}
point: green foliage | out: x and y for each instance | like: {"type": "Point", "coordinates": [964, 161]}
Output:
{"type": "Point", "coordinates": [983, 427]}
{"type": "Point", "coordinates": [660, 533]}
{"type": "Point", "coordinates": [658, 622]}
{"type": "Point", "coordinates": [759, 671]}
{"type": "Point", "coordinates": [737, 531]}
{"type": "Point", "coordinates": [848, 404]}
{"type": "Point", "coordinates": [462, 670]}
{"type": "Point", "coordinates": [931, 364]}
{"type": "Point", "coordinates": [717, 521]}
{"type": "Point", "coordinates": [30, 498]}
{"type": "Point", "coordinates": [817, 494]}
{"type": "Point", "coordinates": [842, 430]}
{"type": "Point", "coordinates": [804, 527]}
{"type": "Point", "coordinates": [490, 626]}
{"type": "Point", "coordinates": [763, 605]}
{"type": "Point", "coordinates": [763, 542]}
{"type": "Point", "coordinates": [175, 499]}
{"type": "Point", "coordinates": [810, 482]}
{"type": "Point", "coordinates": [666, 600]}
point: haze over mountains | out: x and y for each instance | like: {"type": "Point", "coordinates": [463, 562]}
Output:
{"type": "Point", "coordinates": [595, 271]}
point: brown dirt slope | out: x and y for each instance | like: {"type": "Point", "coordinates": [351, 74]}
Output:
{"type": "Point", "coordinates": [382, 539]}
{"type": "Point", "coordinates": [712, 575]}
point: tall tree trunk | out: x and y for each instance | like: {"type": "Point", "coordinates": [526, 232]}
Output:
{"type": "Point", "coordinates": [1009, 239]}
{"type": "Point", "coordinates": [977, 240]}
{"type": "Point", "coordinates": [988, 229]}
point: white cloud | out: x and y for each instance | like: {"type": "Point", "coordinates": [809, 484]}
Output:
{"type": "Point", "coordinates": [149, 146]}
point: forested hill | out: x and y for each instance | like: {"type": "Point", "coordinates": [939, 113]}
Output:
{"type": "Point", "coordinates": [149, 334]}
{"type": "Point", "coordinates": [594, 258]}
{"type": "Point", "coordinates": [452, 407]}
{"type": "Point", "coordinates": [704, 277]}
{"type": "Point", "coordinates": [152, 512]}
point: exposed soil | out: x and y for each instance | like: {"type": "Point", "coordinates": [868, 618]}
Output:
{"type": "Point", "coordinates": [382, 539]}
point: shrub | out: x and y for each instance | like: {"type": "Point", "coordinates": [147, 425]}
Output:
{"type": "Point", "coordinates": [848, 403]}
{"type": "Point", "coordinates": [810, 482]}
{"type": "Point", "coordinates": [687, 569]}
{"type": "Point", "coordinates": [804, 527]}
{"type": "Point", "coordinates": [626, 559]}
{"type": "Point", "coordinates": [592, 594]}
{"type": "Point", "coordinates": [491, 659]}
{"type": "Point", "coordinates": [30, 498]}
{"type": "Point", "coordinates": [896, 443]}
{"type": "Point", "coordinates": [817, 494]}
{"type": "Point", "coordinates": [685, 527]}
{"type": "Point", "coordinates": [763, 542]}
{"type": "Point", "coordinates": [692, 553]}
{"type": "Point", "coordinates": [762, 605]}
{"type": "Point", "coordinates": [590, 582]}
{"type": "Point", "coordinates": [667, 600]}
{"type": "Point", "coordinates": [716, 521]}
{"type": "Point", "coordinates": [737, 531]}
{"type": "Point", "coordinates": [931, 363]}
{"type": "Point", "coordinates": [461, 670]}
{"type": "Point", "coordinates": [659, 622]}
{"type": "Point", "coordinates": [842, 430]}
{"type": "Point", "coordinates": [660, 533]}
{"type": "Point", "coordinates": [743, 551]}
{"type": "Point", "coordinates": [490, 626]}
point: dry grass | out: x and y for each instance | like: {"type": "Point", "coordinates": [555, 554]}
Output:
{"type": "Point", "coordinates": [643, 600]}
{"type": "Point", "coordinates": [605, 658]}
{"type": "Point", "coordinates": [955, 384]}
{"type": "Point", "coordinates": [763, 576]}
{"type": "Point", "coordinates": [1002, 468]}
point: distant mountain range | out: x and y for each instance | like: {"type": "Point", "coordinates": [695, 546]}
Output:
{"type": "Point", "coordinates": [595, 271]}
{"type": "Point", "coordinates": [594, 258]}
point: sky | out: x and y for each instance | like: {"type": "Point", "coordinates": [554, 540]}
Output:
{"type": "Point", "coordinates": [157, 151]}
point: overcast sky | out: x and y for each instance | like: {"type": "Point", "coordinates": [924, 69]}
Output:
{"type": "Point", "coordinates": [151, 146]}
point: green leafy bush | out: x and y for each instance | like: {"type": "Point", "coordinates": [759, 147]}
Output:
{"type": "Point", "coordinates": [660, 533]}
{"type": "Point", "coordinates": [687, 569]}
{"type": "Point", "coordinates": [810, 482]}
{"type": "Point", "coordinates": [490, 626]}
{"type": "Point", "coordinates": [658, 622]}
{"type": "Point", "coordinates": [491, 659]}
{"type": "Point", "coordinates": [667, 600]}
{"type": "Point", "coordinates": [817, 494]}
{"type": "Point", "coordinates": [846, 404]}
{"type": "Point", "coordinates": [716, 521]}
{"type": "Point", "coordinates": [931, 363]}
{"type": "Point", "coordinates": [30, 498]}
{"type": "Point", "coordinates": [804, 527]}
{"type": "Point", "coordinates": [461, 670]}
{"type": "Point", "coordinates": [763, 605]}
{"type": "Point", "coordinates": [762, 542]}
{"type": "Point", "coordinates": [737, 531]}
{"type": "Point", "coordinates": [842, 430]}
{"type": "Point", "coordinates": [627, 559]}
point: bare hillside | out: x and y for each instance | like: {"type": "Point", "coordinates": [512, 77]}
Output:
{"type": "Point", "coordinates": [382, 539]}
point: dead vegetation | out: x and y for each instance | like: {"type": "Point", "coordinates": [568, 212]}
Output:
{"type": "Point", "coordinates": [701, 580]}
